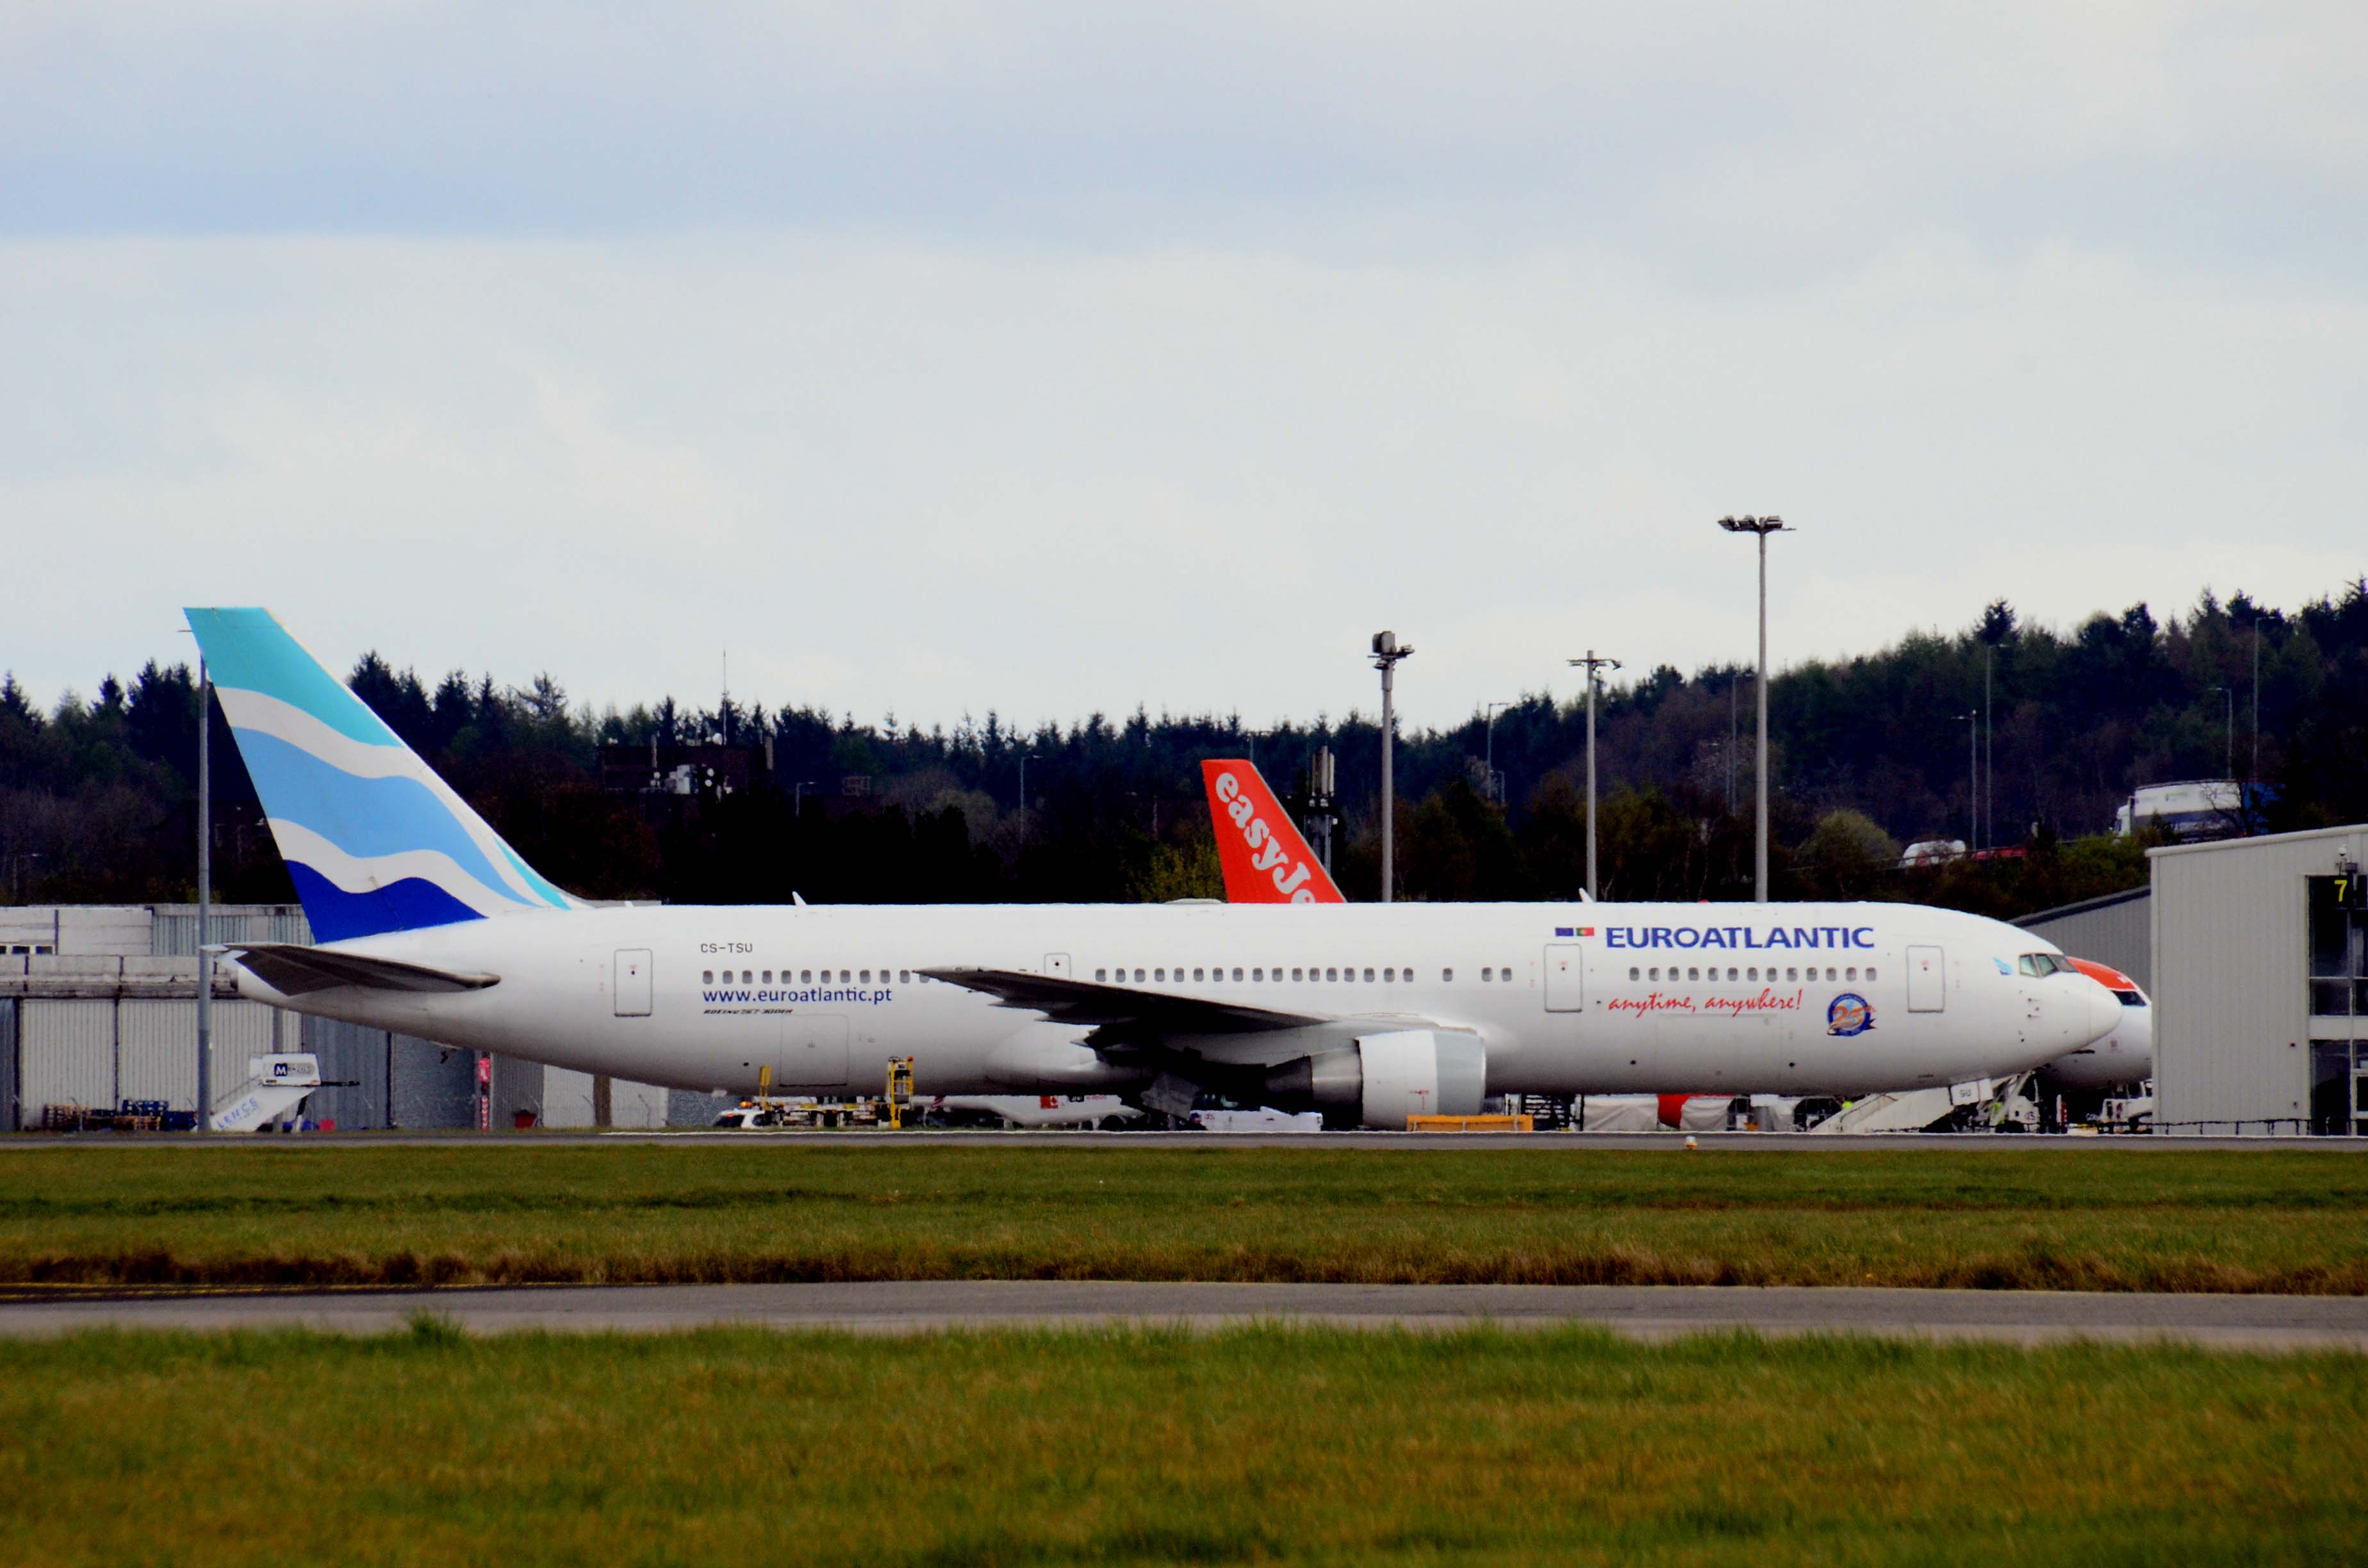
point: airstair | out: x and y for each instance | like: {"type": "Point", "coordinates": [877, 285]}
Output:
{"type": "Point", "coordinates": [276, 1086]}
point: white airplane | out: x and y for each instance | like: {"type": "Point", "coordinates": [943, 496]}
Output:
{"type": "Point", "coordinates": [430, 924]}
{"type": "Point", "coordinates": [2123, 1056]}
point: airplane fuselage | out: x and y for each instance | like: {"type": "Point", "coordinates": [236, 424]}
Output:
{"type": "Point", "coordinates": [1566, 999]}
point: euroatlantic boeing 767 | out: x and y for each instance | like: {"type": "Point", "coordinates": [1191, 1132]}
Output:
{"type": "Point", "coordinates": [430, 924]}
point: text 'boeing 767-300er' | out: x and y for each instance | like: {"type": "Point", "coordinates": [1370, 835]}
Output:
{"type": "Point", "coordinates": [430, 924]}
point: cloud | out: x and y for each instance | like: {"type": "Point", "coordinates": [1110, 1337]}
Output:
{"type": "Point", "coordinates": [911, 474]}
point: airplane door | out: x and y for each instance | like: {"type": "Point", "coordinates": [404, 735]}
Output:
{"type": "Point", "coordinates": [1057, 964]}
{"type": "Point", "coordinates": [813, 1052]}
{"type": "Point", "coordinates": [631, 984]}
{"type": "Point", "coordinates": [1928, 981]}
{"type": "Point", "coordinates": [1566, 978]}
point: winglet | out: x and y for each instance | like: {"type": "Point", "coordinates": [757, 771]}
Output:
{"type": "Point", "coordinates": [1265, 859]}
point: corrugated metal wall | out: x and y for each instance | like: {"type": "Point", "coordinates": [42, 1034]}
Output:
{"type": "Point", "coordinates": [173, 930]}
{"type": "Point", "coordinates": [67, 1051]}
{"type": "Point", "coordinates": [11, 1086]}
{"type": "Point", "coordinates": [433, 1087]}
{"type": "Point", "coordinates": [347, 1052]}
{"type": "Point", "coordinates": [2120, 933]}
{"type": "Point", "coordinates": [156, 1052]}
{"type": "Point", "coordinates": [2231, 957]}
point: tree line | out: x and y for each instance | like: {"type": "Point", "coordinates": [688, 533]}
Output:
{"type": "Point", "coordinates": [2046, 730]}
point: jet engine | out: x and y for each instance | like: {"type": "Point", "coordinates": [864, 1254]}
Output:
{"type": "Point", "coordinates": [1382, 1079]}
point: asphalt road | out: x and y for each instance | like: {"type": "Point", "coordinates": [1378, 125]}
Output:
{"type": "Point", "coordinates": [2018, 1317]}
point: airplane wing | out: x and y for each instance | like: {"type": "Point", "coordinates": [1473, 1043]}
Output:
{"type": "Point", "coordinates": [293, 970]}
{"type": "Point", "coordinates": [1122, 1012]}
{"type": "Point", "coordinates": [1264, 857]}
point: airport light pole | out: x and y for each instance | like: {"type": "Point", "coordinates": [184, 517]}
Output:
{"type": "Point", "coordinates": [1763, 526]}
{"type": "Point", "coordinates": [1488, 760]}
{"type": "Point", "coordinates": [1592, 664]}
{"type": "Point", "coordinates": [798, 796]}
{"type": "Point", "coordinates": [1024, 760]}
{"type": "Point", "coordinates": [1387, 651]}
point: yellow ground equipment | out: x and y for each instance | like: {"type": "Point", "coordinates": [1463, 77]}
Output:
{"type": "Point", "coordinates": [1469, 1123]}
{"type": "Point", "coordinates": [900, 1091]}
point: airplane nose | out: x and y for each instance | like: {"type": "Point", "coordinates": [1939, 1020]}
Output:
{"type": "Point", "coordinates": [2104, 1013]}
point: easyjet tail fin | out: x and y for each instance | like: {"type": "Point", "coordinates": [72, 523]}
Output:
{"type": "Point", "coordinates": [1265, 859]}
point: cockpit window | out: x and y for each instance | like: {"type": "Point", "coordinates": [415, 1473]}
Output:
{"type": "Point", "coordinates": [2039, 964]}
{"type": "Point", "coordinates": [2131, 998]}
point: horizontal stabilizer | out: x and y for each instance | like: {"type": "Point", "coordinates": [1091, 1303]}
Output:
{"type": "Point", "coordinates": [293, 971]}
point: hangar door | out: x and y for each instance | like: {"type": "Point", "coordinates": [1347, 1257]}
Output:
{"type": "Point", "coordinates": [1928, 981]}
{"type": "Point", "coordinates": [1566, 978]}
{"type": "Point", "coordinates": [631, 983]}
{"type": "Point", "coordinates": [813, 1052]}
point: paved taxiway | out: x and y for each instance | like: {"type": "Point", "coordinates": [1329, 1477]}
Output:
{"type": "Point", "coordinates": [2020, 1317]}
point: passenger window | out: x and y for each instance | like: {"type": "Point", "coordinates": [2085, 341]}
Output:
{"type": "Point", "coordinates": [1829, 974]}
{"type": "Point", "coordinates": [1258, 974]}
{"type": "Point", "coordinates": [1447, 975]}
{"type": "Point", "coordinates": [1730, 974]}
{"type": "Point", "coordinates": [768, 977]}
{"type": "Point", "coordinates": [748, 977]}
{"type": "Point", "coordinates": [1294, 974]}
{"type": "Point", "coordinates": [1792, 973]}
{"type": "Point", "coordinates": [1388, 975]}
{"type": "Point", "coordinates": [1101, 974]}
{"type": "Point", "coordinates": [1870, 974]}
{"type": "Point", "coordinates": [707, 977]}
{"type": "Point", "coordinates": [1237, 971]}
{"type": "Point", "coordinates": [1635, 974]}
{"type": "Point", "coordinates": [866, 977]}
{"type": "Point", "coordinates": [1656, 971]}
{"type": "Point", "coordinates": [1487, 975]}
{"type": "Point", "coordinates": [1332, 975]}
{"type": "Point", "coordinates": [903, 977]}
{"type": "Point", "coordinates": [1368, 977]}
{"type": "Point", "coordinates": [842, 977]}
{"type": "Point", "coordinates": [1160, 973]}
{"type": "Point", "coordinates": [1197, 974]}
{"type": "Point", "coordinates": [1693, 974]}
{"type": "Point", "coordinates": [1850, 974]}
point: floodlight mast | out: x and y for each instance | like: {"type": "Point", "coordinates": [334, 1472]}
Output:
{"type": "Point", "coordinates": [1592, 664]}
{"type": "Point", "coordinates": [1763, 526]}
{"type": "Point", "coordinates": [1387, 651]}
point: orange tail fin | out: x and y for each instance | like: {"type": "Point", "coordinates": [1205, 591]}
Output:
{"type": "Point", "coordinates": [1265, 859]}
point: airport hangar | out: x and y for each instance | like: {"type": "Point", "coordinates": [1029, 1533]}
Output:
{"type": "Point", "coordinates": [2255, 951]}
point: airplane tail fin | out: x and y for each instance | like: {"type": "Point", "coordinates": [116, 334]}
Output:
{"type": "Point", "coordinates": [373, 839]}
{"type": "Point", "coordinates": [1265, 859]}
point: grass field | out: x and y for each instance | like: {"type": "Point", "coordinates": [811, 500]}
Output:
{"type": "Point", "coordinates": [1264, 1444]}
{"type": "Point", "coordinates": [782, 1211]}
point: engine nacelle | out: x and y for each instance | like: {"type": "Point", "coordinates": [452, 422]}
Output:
{"type": "Point", "coordinates": [1389, 1077]}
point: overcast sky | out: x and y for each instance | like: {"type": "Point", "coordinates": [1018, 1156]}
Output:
{"type": "Point", "coordinates": [1062, 358]}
